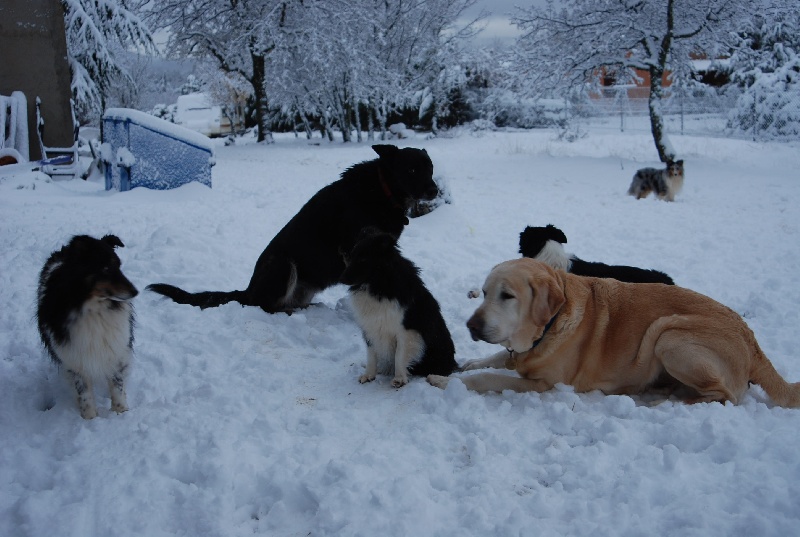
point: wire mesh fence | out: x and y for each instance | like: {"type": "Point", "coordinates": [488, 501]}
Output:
{"type": "Point", "coordinates": [755, 115]}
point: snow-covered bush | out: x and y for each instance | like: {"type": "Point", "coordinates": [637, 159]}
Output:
{"type": "Point", "coordinates": [770, 107]}
{"type": "Point", "coordinates": [767, 66]}
{"type": "Point", "coordinates": [507, 109]}
{"type": "Point", "coordinates": [481, 125]}
{"type": "Point", "coordinates": [399, 130]}
{"type": "Point", "coordinates": [164, 111]}
{"type": "Point", "coordinates": [192, 85]}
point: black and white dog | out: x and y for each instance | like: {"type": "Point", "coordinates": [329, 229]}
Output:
{"type": "Point", "coordinates": [304, 257]}
{"type": "Point", "coordinates": [86, 319]}
{"type": "Point", "coordinates": [666, 183]}
{"type": "Point", "coordinates": [546, 244]}
{"type": "Point", "coordinates": [401, 321]}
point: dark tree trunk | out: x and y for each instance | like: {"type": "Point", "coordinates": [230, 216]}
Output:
{"type": "Point", "coordinates": [380, 115]}
{"type": "Point", "coordinates": [370, 120]}
{"type": "Point", "coordinates": [664, 148]}
{"type": "Point", "coordinates": [304, 119]}
{"type": "Point", "coordinates": [357, 120]}
{"type": "Point", "coordinates": [342, 105]}
{"type": "Point", "coordinates": [260, 95]}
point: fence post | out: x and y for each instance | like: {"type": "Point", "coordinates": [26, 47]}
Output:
{"type": "Point", "coordinates": [618, 95]}
{"type": "Point", "coordinates": [621, 118]}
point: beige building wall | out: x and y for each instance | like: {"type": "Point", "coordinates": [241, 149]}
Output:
{"type": "Point", "coordinates": [33, 60]}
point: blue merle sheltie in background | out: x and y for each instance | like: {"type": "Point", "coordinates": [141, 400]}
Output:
{"type": "Point", "coordinates": [545, 244]}
{"type": "Point", "coordinates": [86, 318]}
{"type": "Point", "coordinates": [401, 321]}
{"type": "Point", "coordinates": [665, 183]}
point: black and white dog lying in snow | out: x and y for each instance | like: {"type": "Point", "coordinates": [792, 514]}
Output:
{"type": "Point", "coordinates": [85, 317]}
{"type": "Point", "coordinates": [545, 244]}
{"type": "Point", "coordinates": [304, 257]}
{"type": "Point", "coordinates": [401, 321]}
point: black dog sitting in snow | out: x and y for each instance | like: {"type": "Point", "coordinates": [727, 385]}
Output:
{"type": "Point", "coordinates": [545, 244]}
{"type": "Point", "coordinates": [303, 258]}
{"type": "Point", "coordinates": [401, 321]}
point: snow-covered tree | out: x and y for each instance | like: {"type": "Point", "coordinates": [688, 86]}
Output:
{"type": "Point", "coordinates": [324, 70]}
{"type": "Point", "coordinates": [574, 43]}
{"type": "Point", "coordinates": [237, 35]}
{"type": "Point", "coordinates": [366, 58]}
{"type": "Point", "coordinates": [328, 59]}
{"type": "Point", "coordinates": [97, 30]}
{"type": "Point", "coordinates": [767, 65]}
{"type": "Point", "coordinates": [438, 63]}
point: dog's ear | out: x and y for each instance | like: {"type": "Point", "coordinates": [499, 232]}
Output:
{"type": "Point", "coordinates": [385, 150]}
{"type": "Point", "coordinates": [679, 163]}
{"type": "Point", "coordinates": [555, 234]}
{"type": "Point", "coordinates": [371, 242]}
{"type": "Point", "coordinates": [113, 241]}
{"type": "Point", "coordinates": [79, 243]}
{"type": "Point", "coordinates": [344, 254]}
{"type": "Point", "coordinates": [367, 232]}
{"type": "Point", "coordinates": [548, 297]}
{"type": "Point", "coordinates": [383, 243]}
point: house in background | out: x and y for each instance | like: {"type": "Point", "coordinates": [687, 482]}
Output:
{"type": "Point", "coordinates": [34, 61]}
{"type": "Point", "coordinates": [704, 70]}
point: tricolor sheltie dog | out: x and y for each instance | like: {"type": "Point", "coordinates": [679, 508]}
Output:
{"type": "Point", "coordinates": [401, 321]}
{"type": "Point", "coordinates": [545, 244]}
{"type": "Point", "coordinates": [86, 319]}
{"type": "Point", "coordinates": [665, 183]}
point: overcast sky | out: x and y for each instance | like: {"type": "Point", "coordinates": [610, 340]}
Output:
{"type": "Point", "coordinates": [498, 26]}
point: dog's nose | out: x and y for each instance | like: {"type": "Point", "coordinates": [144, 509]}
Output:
{"type": "Point", "coordinates": [128, 286]}
{"type": "Point", "coordinates": [475, 326]}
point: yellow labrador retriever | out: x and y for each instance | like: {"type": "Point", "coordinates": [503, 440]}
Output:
{"type": "Point", "coordinates": [620, 338]}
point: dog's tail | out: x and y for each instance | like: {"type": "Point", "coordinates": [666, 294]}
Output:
{"type": "Point", "coordinates": [763, 373]}
{"type": "Point", "coordinates": [203, 299]}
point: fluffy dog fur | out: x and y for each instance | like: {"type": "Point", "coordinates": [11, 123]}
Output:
{"type": "Point", "coordinates": [620, 338]}
{"type": "Point", "coordinates": [86, 319]}
{"type": "Point", "coordinates": [545, 244]}
{"type": "Point", "coordinates": [401, 321]}
{"type": "Point", "coordinates": [665, 183]}
{"type": "Point", "coordinates": [304, 257]}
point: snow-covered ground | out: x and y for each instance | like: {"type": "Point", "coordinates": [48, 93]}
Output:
{"type": "Point", "coordinates": [246, 423]}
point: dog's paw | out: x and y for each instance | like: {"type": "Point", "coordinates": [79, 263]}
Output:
{"type": "Point", "coordinates": [88, 412]}
{"type": "Point", "coordinates": [399, 382]}
{"type": "Point", "coordinates": [471, 365]}
{"type": "Point", "coordinates": [438, 381]}
{"type": "Point", "coordinates": [363, 379]}
{"type": "Point", "coordinates": [119, 408]}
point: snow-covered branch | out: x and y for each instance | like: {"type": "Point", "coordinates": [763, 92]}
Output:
{"type": "Point", "coordinates": [96, 30]}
